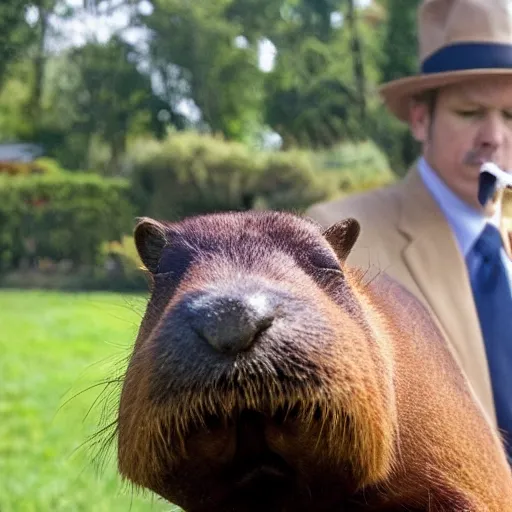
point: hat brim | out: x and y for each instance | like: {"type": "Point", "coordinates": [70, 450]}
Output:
{"type": "Point", "coordinates": [397, 94]}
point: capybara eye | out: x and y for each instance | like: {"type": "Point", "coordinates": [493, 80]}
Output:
{"type": "Point", "coordinates": [325, 261]}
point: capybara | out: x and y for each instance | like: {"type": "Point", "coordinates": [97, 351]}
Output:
{"type": "Point", "coordinates": [269, 376]}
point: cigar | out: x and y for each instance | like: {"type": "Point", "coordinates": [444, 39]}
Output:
{"type": "Point", "coordinates": [492, 181]}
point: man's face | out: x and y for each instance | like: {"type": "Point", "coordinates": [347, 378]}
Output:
{"type": "Point", "coordinates": [472, 122]}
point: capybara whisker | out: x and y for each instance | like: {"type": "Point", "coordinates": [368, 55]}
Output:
{"type": "Point", "coordinates": [269, 375]}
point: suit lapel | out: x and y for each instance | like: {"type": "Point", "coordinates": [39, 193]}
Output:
{"type": "Point", "coordinates": [439, 271]}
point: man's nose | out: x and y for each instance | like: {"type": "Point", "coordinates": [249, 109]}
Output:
{"type": "Point", "coordinates": [493, 132]}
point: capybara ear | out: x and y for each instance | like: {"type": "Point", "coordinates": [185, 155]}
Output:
{"type": "Point", "coordinates": [342, 236]}
{"type": "Point", "coordinates": [150, 238]}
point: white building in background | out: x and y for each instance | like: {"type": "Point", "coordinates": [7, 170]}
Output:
{"type": "Point", "coordinates": [20, 151]}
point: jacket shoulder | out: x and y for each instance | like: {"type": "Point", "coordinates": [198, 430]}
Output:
{"type": "Point", "coordinates": [366, 207]}
{"type": "Point", "coordinates": [377, 212]}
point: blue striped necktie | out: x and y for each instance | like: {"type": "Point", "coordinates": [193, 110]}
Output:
{"type": "Point", "coordinates": [493, 300]}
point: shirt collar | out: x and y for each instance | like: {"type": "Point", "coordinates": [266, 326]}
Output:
{"type": "Point", "coordinates": [466, 222]}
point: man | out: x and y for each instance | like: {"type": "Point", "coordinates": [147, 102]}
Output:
{"type": "Point", "coordinates": [428, 230]}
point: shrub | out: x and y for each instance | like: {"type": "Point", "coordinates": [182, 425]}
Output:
{"type": "Point", "coordinates": [393, 137]}
{"type": "Point", "coordinates": [48, 165]}
{"type": "Point", "coordinates": [81, 279]}
{"type": "Point", "coordinates": [289, 181]}
{"type": "Point", "coordinates": [121, 271]}
{"type": "Point", "coordinates": [356, 166]}
{"type": "Point", "coordinates": [37, 167]}
{"type": "Point", "coordinates": [123, 268]}
{"type": "Point", "coordinates": [190, 174]}
{"type": "Point", "coordinates": [61, 217]}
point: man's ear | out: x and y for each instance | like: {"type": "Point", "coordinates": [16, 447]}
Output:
{"type": "Point", "coordinates": [420, 121]}
{"type": "Point", "coordinates": [342, 236]}
{"type": "Point", "coordinates": [150, 239]}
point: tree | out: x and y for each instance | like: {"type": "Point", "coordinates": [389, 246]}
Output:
{"type": "Point", "coordinates": [400, 44]}
{"type": "Point", "coordinates": [399, 59]}
{"type": "Point", "coordinates": [44, 9]}
{"type": "Point", "coordinates": [308, 103]}
{"type": "Point", "coordinates": [316, 94]}
{"type": "Point", "coordinates": [109, 95]}
{"type": "Point", "coordinates": [207, 62]}
{"type": "Point", "coordinates": [357, 57]}
{"type": "Point", "coordinates": [15, 33]}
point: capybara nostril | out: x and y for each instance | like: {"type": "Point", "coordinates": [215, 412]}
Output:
{"type": "Point", "coordinates": [230, 323]}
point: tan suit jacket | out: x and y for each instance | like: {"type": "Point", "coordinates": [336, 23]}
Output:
{"type": "Point", "coordinates": [405, 234]}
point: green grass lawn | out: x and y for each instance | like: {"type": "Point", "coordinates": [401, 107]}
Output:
{"type": "Point", "coordinates": [52, 347]}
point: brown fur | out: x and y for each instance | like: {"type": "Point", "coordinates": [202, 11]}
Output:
{"type": "Point", "coordinates": [350, 396]}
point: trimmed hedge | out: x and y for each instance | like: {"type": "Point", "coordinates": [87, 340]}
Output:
{"type": "Point", "coordinates": [290, 181]}
{"type": "Point", "coordinates": [189, 174]}
{"type": "Point", "coordinates": [40, 166]}
{"type": "Point", "coordinates": [61, 217]}
{"type": "Point", "coordinates": [356, 166]}
{"type": "Point", "coordinates": [73, 230]}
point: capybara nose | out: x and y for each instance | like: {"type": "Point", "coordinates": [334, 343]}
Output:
{"type": "Point", "coordinates": [230, 323]}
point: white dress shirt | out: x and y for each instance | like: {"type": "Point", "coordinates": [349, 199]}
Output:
{"type": "Point", "coordinates": [466, 223]}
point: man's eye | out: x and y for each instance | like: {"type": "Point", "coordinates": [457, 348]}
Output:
{"type": "Point", "coordinates": [468, 113]}
{"type": "Point", "coordinates": [507, 114]}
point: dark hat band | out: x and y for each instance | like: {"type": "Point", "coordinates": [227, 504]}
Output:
{"type": "Point", "coordinates": [467, 56]}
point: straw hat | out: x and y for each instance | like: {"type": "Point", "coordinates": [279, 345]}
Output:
{"type": "Point", "coordinates": [458, 39]}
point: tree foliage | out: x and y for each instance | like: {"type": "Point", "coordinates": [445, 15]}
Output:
{"type": "Point", "coordinates": [400, 59]}
{"type": "Point", "coordinates": [198, 65]}
{"type": "Point", "coordinates": [205, 63]}
{"type": "Point", "coordinates": [400, 45]}
{"type": "Point", "coordinates": [111, 94]}
{"type": "Point", "coordinates": [15, 33]}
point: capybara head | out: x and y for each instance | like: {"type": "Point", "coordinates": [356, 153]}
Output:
{"type": "Point", "coordinates": [264, 376]}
